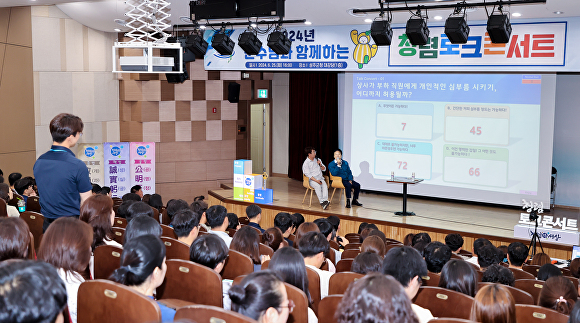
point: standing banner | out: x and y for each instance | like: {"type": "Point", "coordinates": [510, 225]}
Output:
{"type": "Point", "coordinates": [117, 168]}
{"type": "Point", "coordinates": [92, 156]}
{"type": "Point", "coordinates": [142, 157]}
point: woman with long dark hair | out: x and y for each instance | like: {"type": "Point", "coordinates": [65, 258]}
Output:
{"type": "Point", "coordinates": [98, 212]}
{"type": "Point", "coordinates": [247, 241]}
{"type": "Point", "coordinates": [459, 276]}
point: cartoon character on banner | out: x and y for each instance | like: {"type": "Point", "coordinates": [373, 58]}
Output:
{"type": "Point", "coordinates": [363, 51]}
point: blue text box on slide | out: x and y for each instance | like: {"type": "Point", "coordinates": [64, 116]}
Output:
{"type": "Point", "coordinates": [404, 120]}
{"type": "Point", "coordinates": [403, 158]}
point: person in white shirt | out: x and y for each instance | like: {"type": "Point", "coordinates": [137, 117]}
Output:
{"type": "Point", "coordinates": [407, 266]}
{"type": "Point", "coordinates": [217, 218]}
{"type": "Point", "coordinates": [313, 246]}
{"type": "Point", "coordinates": [313, 168]}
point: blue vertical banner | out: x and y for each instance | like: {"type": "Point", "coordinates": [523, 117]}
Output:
{"type": "Point", "coordinates": [117, 168]}
{"type": "Point", "coordinates": [142, 162]}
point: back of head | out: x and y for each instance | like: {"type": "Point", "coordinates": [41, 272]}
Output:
{"type": "Point", "coordinates": [14, 239]}
{"type": "Point", "coordinates": [137, 209]}
{"type": "Point", "coordinates": [436, 255]}
{"type": "Point", "coordinates": [32, 292]}
{"type": "Point", "coordinates": [146, 198]}
{"type": "Point", "coordinates": [375, 298]}
{"type": "Point", "coordinates": [65, 125]}
{"type": "Point", "coordinates": [247, 241]}
{"type": "Point", "coordinates": [135, 189]}
{"type": "Point", "coordinates": [454, 241]}
{"type": "Point", "coordinates": [324, 226]}
{"type": "Point", "coordinates": [334, 220]}
{"type": "Point", "coordinates": [364, 234]}
{"type": "Point", "coordinates": [208, 250]}
{"type": "Point", "coordinates": [198, 206]}
{"type": "Point", "coordinates": [174, 206]}
{"type": "Point", "coordinates": [558, 294]}
{"type": "Point", "coordinates": [313, 243]}
{"type": "Point", "coordinates": [123, 209]}
{"type": "Point", "coordinates": [517, 253]}
{"type": "Point", "coordinates": [478, 244]}
{"type": "Point", "coordinates": [4, 192]}
{"type": "Point", "coordinates": [303, 229]}
{"type": "Point", "coordinates": [140, 226]}
{"type": "Point", "coordinates": [498, 274]}
{"type": "Point", "coordinates": [408, 240]}
{"type": "Point", "coordinates": [96, 189]}
{"type": "Point", "coordinates": [404, 263]}
{"type": "Point", "coordinates": [256, 293]}
{"type": "Point", "coordinates": [361, 227]}
{"type": "Point", "coordinates": [575, 267]}
{"type": "Point", "coordinates": [289, 264]}
{"type": "Point", "coordinates": [253, 211]}
{"type": "Point", "coordinates": [492, 304]}
{"type": "Point", "coordinates": [420, 247]}
{"type": "Point", "coordinates": [297, 219]}
{"type": "Point", "coordinates": [547, 271]}
{"type": "Point", "coordinates": [233, 221]}
{"type": "Point", "coordinates": [156, 201]}
{"type": "Point", "coordinates": [139, 259]}
{"type": "Point", "coordinates": [131, 197]}
{"type": "Point", "coordinates": [375, 245]}
{"type": "Point", "coordinates": [421, 237]}
{"type": "Point", "coordinates": [216, 215]}
{"type": "Point", "coordinates": [96, 211]}
{"type": "Point", "coordinates": [283, 221]}
{"type": "Point", "coordinates": [22, 184]}
{"type": "Point", "coordinates": [487, 256]}
{"type": "Point", "coordinates": [105, 190]}
{"type": "Point", "coordinates": [272, 238]}
{"type": "Point", "coordinates": [367, 262]}
{"type": "Point", "coordinates": [183, 222]}
{"type": "Point", "coordinates": [12, 178]}
{"type": "Point", "coordinates": [459, 276]}
{"type": "Point", "coordinates": [378, 233]}
{"type": "Point", "coordinates": [540, 259]}
{"type": "Point", "coordinates": [67, 244]}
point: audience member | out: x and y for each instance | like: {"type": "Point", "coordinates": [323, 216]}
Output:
{"type": "Point", "coordinates": [374, 244]}
{"type": "Point", "coordinates": [378, 233]}
{"type": "Point", "coordinates": [14, 239]}
{"type": "Point", "coordinates": [96, 189]}
{"type": "Point", "coordinates": [186, 226]}
{"type": "Point", "coordinates": [174, 206]}
{"type": "Point", "coordinates": [137, 190]}
{"type": "Point", "coordinates": [459, 276]}
{"type": "Point", "coordinates": [335, 221]}
{"type": "Point", "coordinates": [66, 245]}
{"type": "Point", "coordinates": [407, 266]}
{"type": "Point", "coordinates": [262, 296]}
{"type": "Point", "coordinates": [254, 213]}
{"type": "Point", "coordinates": [131, 197]}
{"type": "Point", "coordinates": [140, 226]}
{"type": "Point", "coordinates": [247, 241]}
{"type": "Point", "coordinates": [420, 247]}
{"type": "Point", "coordinates": [361, 227]}
{"type": "Point", "coordinates": [487, 256]}
{"type": "Point", "coordinates": [325, 228]}
{"type": "Point", "coordinates": [98, 212]}
{"type": "Point", "coordinates": [6, 195]}
{"type": "Point", "coordinates": [436, 255]}
{"type": "Point", "coordinates": [575, 267]}
{"type": "Point", "coordinates": [376, 298]}
{"type": "Point", "coordinates": [284, 222]}
{"type": "Point", "coordinates": [455, 242]}
{"type": "Point", "coordinates": [211, 251]}
{"type": "Point", "coordinates": [547, 271]}
{"type": "Point", "coordinates": [123, 209]}
{"type": "Point", "coordinates": [297, 220]}
{"type": "Point", "coordinates": [575, 314]}
{"type": "Point", "coordinates": [199, 206]}
{"type": "Point", "coordinates": [12, 178]}
{"type": "Point", "coordinates": [503, 253]}
{"type": "Point", "coordinates": [313, 246]}
{"type": "Point", "coordinates": [155, 201]}
{"type": "Point", "coordinates": [541, 259]}
{"type": "Point", "coordinates": [303, 229]}
{"type": "Point", "coordinates": [233, 222]}
{"type": "Point", "coordinates": [25, 187]}
{"type": "Point", "coordinates": [477, 245]}
{"type": "Point", "coordinates": [32, 291]}
{"type": "Point", "coordinates": [493, 304]}
{"type": "Point", "coordinates": [105, 190]}
{"type": "Point", "coordinates": [218, 221]}
{"type": "Point", "coordinates": [408, 240]}
{"type": "Point", "coordinates": [146, 198]}
{"type": "Point", "coordinates": [273, 238]}
{"type": "Point", "coordinates": [558, 294]}
{"type": "Point", "coordinates": [421, 237]}
{"type": "Point", "coordinates": [517, 254]}
{"type": "Point", "coordinates": [364, 234]}
{"type": "Point", "coordinates": [367, 262]}
{"type": "Point", "coordinates": [289, 264]}
{"type": "Point", "coordinates": [139, 208]}
{"type": "Point", "coordinates": [498, 274]}
{"type": "Point", "coordinates": [143, 269]}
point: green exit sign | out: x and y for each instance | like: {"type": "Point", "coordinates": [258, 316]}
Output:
{"type": "Point", "coordinates": [262, 94]}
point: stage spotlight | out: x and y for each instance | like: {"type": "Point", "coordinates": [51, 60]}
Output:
{"type": "Point", "coordinates": [457, 30]}
{"type": "Point", "coordinates": [381, 32]}
{"type": "Point", "coordinates": [417, 31]}
{"type": "Point", "coordinates": [249, 42]}
{"type": "Point", "coordinates": [499, 28]}
{"type": "Point", "coordinates": [196, 44]}
{"type": "Point", "coordinates": [222, 43]}
{"type": "Point", "coordinates": [279, 42]}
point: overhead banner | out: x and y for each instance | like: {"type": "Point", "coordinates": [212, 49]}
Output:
{"type": "Point", "coordinates": [92, 156]}
{"type": "Point", "coordinates": [142, 156]}
{"type": "Point", "coordinates": [117, 168]}
{"type": "Point", "coordinates": [537, 46]}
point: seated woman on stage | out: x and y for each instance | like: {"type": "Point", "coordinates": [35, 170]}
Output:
{"type": "Point", "coordinates": [340, 168]}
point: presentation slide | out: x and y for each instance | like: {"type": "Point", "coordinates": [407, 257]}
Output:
{"type": "Point", "coordinates": [476, 137]}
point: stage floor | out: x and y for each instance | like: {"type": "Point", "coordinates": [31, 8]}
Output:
{"type": "Point", "coordinates": [441, 214]}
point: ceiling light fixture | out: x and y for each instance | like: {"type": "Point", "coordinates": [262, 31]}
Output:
{"type": "Point", "coordinates": [249, 41]}
{"type": "Point", "coordinates": [278, 41]}
{"type": "Point", "coordinates": [499, 27]}
{"type": "Point", "coordinates": [516, 14]}
{"type": "Point", "coordinates": [456, 27]}
{"type": "Point", "coordinates": [558, 12]}
{"type": "Point", "coordinates": [438, 18]}
{"type": "Point", "coordinates": [416, 29]}
{"type": "Point", "coordinates": [222, 43]}
{"type": "Point", "coordinates": [196, 44]}
{"type": "Point", "coordinates": [308, 23]}
{"type": "Point", "coordinates": [381, 30]}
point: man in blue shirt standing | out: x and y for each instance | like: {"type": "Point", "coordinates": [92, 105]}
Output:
{"type": "Point", "coordinates": [340, 168]}
{"type": "Point", "coordinates": [62, 179]}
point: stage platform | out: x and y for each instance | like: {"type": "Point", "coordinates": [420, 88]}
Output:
{"type": "Point", "coordinates": [438, 217]}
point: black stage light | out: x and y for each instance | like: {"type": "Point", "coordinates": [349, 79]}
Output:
{"type": "Point", "coordinates": [381, 32]}
{"type": "Point", "coordinates": [279, 42]}
{"type": "Point", "coordinates": [457, 30]}
{"type": "Point", "coordinates": [417, 31]}
{"type": "Point", "coordinates": [499, 28]}
{"type": "Point", "coordinates": [196, 44]}
{"type": "Point", "coordinates": [223, 43]}
{"type": "Point", "coordinates": [249, 42]}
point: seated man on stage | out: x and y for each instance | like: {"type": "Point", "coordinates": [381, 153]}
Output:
{"type": "Point", "coordinates": [340, 168]}
{"type": "Point", "coordinates": [313, 169]}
